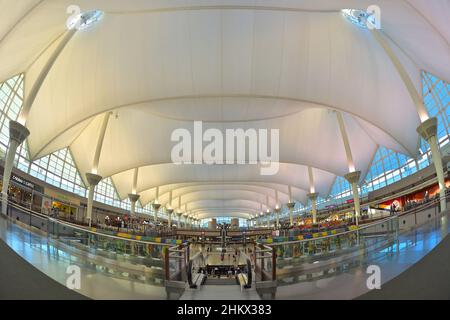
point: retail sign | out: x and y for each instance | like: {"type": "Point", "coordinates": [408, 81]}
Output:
{"type": "Point", "coordinates": [23, 182]}
{"type": "Point", "coordinates": [61, 197]}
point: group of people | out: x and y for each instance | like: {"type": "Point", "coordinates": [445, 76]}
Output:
{"type": "Point", "coordinates": [235, 256]}
{"type": "Point", "coordinates": [220, 271]}
{"type": "Point", "coordinates": [393, 208]}
{"type": "Point", "coordinates": [411, 204]}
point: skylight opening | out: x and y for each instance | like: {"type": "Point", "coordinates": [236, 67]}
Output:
{"type": "Point", "coordinates": [85, 20]}
{"type": "Point", "coordinates": [369, 19]}
{"type": "Point", "coordinates": [357, 17]}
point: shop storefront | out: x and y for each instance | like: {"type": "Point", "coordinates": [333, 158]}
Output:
{"type": "Point", "coordinates": [60, 205]}
{"type": "Point", "coordinates": [24, 193]}
{"type": "Point", "coordinates": [397, 204]}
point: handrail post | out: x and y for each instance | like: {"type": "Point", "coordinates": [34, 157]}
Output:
{"type": "Point", "coordinates": [254, 255]}
{"type": "Point", "coordinates": [274, 264]}
{"type": "Point", "coordinates": [188, 254]}
{"type": "Point", "coordinates": [166, 263]}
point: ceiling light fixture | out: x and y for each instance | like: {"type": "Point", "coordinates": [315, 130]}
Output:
{"type": "Point", "coordinates": [361, 18]}
{"type": "Point", "coordinates": [84, 20]}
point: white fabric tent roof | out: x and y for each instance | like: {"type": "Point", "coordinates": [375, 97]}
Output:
{"type": "Point", "coordinates": [159, 65]}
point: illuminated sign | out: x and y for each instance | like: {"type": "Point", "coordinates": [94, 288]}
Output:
{"type": "Point", "coordinates": [22, 182]}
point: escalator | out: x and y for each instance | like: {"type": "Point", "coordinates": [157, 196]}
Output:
{"type": "Point", "coordinates": [200, 273]}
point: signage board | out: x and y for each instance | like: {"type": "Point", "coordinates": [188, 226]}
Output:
{"type": "Point", "coordinates": [23, 182]}
{"type": "Point", "coordinates": [62, 197]}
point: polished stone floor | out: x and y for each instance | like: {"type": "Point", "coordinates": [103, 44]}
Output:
{"type": "Point", "coordinates": [410, 248]}
{"type": "Point", "coordinates": [220, 292]}
{"type": "Point", "coordinates": [96, 284]}
{"type": "Point", "coordinates": [214, 259]}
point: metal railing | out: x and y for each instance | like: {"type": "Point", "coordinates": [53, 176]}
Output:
{"type": "Point", "coordinates": [265, 270]}
{"type": "Point", "coordinates": [166, 264]}
{"type": "Point", "coordinates": [141, 260]}
{"type": "Point", "coordinates": [196, 263]}
{"type": "Point", "coordinates": [320, 255]}
{"type": "Point", "coordinates": [249, 270]}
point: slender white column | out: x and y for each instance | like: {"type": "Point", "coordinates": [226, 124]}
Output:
{"type": "Point", "coordinates": [290, 205]}
{"type": "Point", "coordinates": [156, 205]}
{"type": "Point", "coordinates": [17, 134]}
{"type": "Point", "coordinates": [260, 216]}
{"type": "Point", "coordinates": [179, 217]}
{"type": "Point", "coordinates": [277, 217]}
{"type": "Point", "coordinates": [169, 213]}
{"type": "Point", "coordinates": [185, 216]}
{"type": "Point", "coordinates": [133, 199]}
{"type": "Point", "coordinates": [313, 198]}
{"type": "Point", "coordinates": [277, 210]}
{"type": "Point", "coordinates": [179, 213]}
{"type": "Point", "coordinates": [13, 145]}
{"type": "Point", "coordinates": [353, 179]}
{"type": "Point", "coordinates": [133, 196]}
{"type": "Point", "coordinates": [353, 175]}
{"type": "Point", "coordinates": [428, 131]}
{"type": "Point", "coordinates": [93, 180]}
{"type": "Point", "coordinates": [169, 210]}
{"type": "Point", "coordinates": [312, 189]}
{"type": "Point", "coordinates": [421, 111]}
{"type": "Point", "coordinates": [267, 212]}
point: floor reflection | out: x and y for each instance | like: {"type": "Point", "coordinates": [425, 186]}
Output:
{"type": "Point", "coordinates": [98, 283]}
{"type": "Point", "coordinates": [95, 283]}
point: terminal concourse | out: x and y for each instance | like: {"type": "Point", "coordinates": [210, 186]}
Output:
{"type": "Point", "coordinates": [224, 149]}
